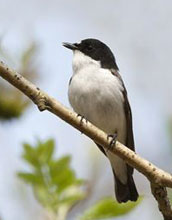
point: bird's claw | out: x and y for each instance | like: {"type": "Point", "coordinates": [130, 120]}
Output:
{"type": "Point", "coordinates": [82, 118]}
{"type": "Point", "coordinates": [113, 140]}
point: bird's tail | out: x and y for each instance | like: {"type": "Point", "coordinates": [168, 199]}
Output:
{"type": "Point", "coordinates": [125, 192]}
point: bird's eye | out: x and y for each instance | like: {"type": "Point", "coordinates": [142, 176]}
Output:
{"type": "Point", "coordinates": [89, 47]}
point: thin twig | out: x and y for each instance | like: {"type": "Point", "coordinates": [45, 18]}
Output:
{"type": "Point", "coordinates": [157, 177]}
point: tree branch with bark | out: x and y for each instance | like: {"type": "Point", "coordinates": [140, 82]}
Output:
{"type": "Point", "coordinates": [158, 178]}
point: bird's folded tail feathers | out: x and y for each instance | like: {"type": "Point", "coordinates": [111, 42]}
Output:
{"type": "Point", "coordinates": [125, 192]}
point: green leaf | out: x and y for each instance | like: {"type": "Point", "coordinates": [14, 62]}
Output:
{"type": "Point", "coordinates": [61, 163]}
{"type": "Point", "coordinates": [109, 208]}
{"type": "Point", "coordinates": [58, 166]}
{"type": "Point", "coordinates": [30, 178]}
{"type": "Point", "coordinates": [40, 154]}
{"type": "Point", "coordinates": [45, 151]}
{"type": "Point", "coordinates": [30, 155]}
{"type": "Point", "coordinates": [64, 179]}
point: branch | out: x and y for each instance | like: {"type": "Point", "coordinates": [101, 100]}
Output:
{"type": "Point", "coordinates": [157, 177]}
{"type": "Point", "coordinates": [160, 194]}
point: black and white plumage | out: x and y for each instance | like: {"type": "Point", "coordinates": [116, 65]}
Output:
{"type": "Point", "coordinates": [97, 92]}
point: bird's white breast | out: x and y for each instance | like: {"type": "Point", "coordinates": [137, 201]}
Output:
{"type": "Point", "coordinates": [97, 95]}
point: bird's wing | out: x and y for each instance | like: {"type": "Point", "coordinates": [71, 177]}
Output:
{"type": "Point", "coordinates": [128, 115]}
{"type": "Point", "coordinates": [129, 138]}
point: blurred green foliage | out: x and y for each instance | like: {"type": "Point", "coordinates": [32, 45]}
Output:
{"type": "Point", "coordinates": [109, 208]}
{"type": "Point", "coordinates": [57, 189]}
{"type": "Point", "coordinates": [54, 183]}
{"type": "Point", "coordinates": [12, 102]}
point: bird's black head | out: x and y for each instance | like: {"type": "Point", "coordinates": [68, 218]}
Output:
{"type": "Point", "coordinates": [97, 50]}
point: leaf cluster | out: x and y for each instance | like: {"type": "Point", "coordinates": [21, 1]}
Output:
{"type": "Point", "coordinates": [54, 182]}
{"type": "Point", "coordinates": [57, 188]}
{"type": "Point", "coordinates": [12, 102]}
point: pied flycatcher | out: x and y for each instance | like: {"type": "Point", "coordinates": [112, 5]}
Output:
{"type": "Point", "coordinates": [97, 92]}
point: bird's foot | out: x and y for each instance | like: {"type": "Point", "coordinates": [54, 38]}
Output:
{"type": "Point", "coordinates": [113, 140]}
{"type": "Point", "coordinates": [82, 118]}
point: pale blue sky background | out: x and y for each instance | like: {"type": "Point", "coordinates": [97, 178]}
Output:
{"type": "Point", "coordinates": [140, 35]}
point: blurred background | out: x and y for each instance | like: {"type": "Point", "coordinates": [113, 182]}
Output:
{"type": "Point", "coordinates": [31, 35]}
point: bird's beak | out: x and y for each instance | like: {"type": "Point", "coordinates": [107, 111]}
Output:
{"type": "Point", "coordinates": [70, 46]}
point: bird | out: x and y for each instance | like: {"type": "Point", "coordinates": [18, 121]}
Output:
{"type": "Point", "coordinates": [97, 92]}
